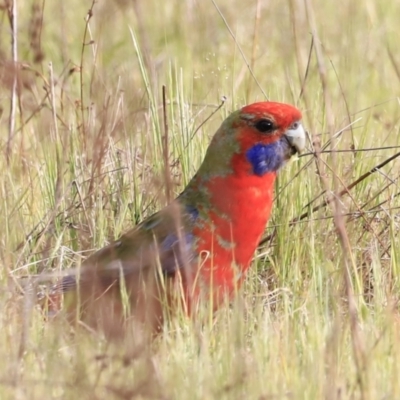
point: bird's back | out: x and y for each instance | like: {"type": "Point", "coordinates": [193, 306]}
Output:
{"type": "Point", "coordinates": [136, 276]}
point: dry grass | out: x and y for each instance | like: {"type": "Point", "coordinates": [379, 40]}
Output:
{"type": "Point", "coordinates": [81, 122]}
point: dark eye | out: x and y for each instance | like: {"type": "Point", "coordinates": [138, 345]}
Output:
{"type": "Point", "coordinates": [264, 125]}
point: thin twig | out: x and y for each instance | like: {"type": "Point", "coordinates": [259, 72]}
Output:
{"type": "Point", "coordinates": [89, 15]}
{"type": "Point", "coordinates": [239, 48]}
{"type": "Point", "coordinates": [12, 15]}
{"type": "Point", "coordinates": [356, 339]}
{"type": "Point", "coordinates": [223, 100]}
{"type": "Point", "coordinates": [144, 40]}
{"type": "Point", "coordinates": [167, 174]}
{"type": "Point", "coordinates": [359, 210]}
{"type": "Point", "coordinates": [345, 102]}
{"type": "Point", "coordinates": [303, 85]}
{"type": "Point", "coordinates": [353, 215]}
{"type": "Point", "coordinates": [352, 151]}
{"type": "Point", "coordinates": [326, 145]}
{"type": "Point", "coordinates": [393, 61]}
{"type": "Point", "coordinates": [255, 44]}
{"type": "Point", "coordinates": [338, 195]}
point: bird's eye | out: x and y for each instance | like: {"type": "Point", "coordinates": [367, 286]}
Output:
{"type": "Point", "coordinates": [264, 125]}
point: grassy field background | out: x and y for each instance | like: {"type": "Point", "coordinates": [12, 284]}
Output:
{"type": "Point", "coordinates": [82, 161]}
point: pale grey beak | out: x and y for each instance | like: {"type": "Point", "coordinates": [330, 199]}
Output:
{"type": "Point", "coordinates": [296, 136]}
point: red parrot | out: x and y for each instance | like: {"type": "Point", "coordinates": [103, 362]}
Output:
{"type": "Point", "coordinates": [200, 245]}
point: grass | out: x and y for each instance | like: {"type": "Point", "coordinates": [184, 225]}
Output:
{"type": "Point", "coordinates": [84, 162]}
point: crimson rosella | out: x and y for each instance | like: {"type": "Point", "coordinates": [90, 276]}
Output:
{"type": "Point", "coordinates": [201, 243]}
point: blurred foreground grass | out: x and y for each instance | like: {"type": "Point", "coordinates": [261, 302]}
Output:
{"type": "Point", "coordinates": [84, 163]}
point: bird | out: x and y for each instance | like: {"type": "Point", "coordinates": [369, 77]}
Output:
{"type": "Point", "coordinates": [199, 247]}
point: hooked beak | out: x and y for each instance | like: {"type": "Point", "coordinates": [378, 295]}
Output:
{"type": "Point", "coordinates": [296, 136]}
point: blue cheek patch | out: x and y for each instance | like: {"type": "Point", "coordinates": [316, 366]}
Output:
{"type": "Point", "coordinates": [266, 157]}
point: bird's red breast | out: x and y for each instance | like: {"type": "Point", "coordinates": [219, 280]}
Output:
{"type": "Point", "coordinates": [242, 206]}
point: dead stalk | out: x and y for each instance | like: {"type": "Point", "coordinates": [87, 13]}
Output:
{"type": "Point", "coordinates": [88, 17]}
{"type": "Point", "coordinates": [167, 174]}
{"type": "Point", "coordinates": [357, 342]}
{"type": "Point", "coordinates": [12, 15]}
{"type": "Point", "coordinates": [255, 45]}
